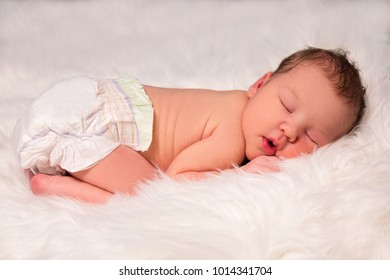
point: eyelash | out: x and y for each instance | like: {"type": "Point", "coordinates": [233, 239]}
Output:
{"type": "Point", "coordinates": [310, 138]}
{"type": "Point", "coordinates": [285, 107]}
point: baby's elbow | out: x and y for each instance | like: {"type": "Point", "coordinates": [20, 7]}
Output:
{"type": "Point", "coordinates": [177, 173]}
{"type": "Point", "coordinates": [172, 172]}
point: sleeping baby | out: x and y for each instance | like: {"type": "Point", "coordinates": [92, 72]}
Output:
{"type": "Point", "coordinates": [87, 139]}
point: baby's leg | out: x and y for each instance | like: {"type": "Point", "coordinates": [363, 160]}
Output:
{"type": "Point", "coordinates": [68, 186]}
{"type": "Point", "coordinates": [120, 171]}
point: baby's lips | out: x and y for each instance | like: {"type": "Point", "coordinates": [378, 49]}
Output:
{"type": "Point", "coordinates": [267, 148]}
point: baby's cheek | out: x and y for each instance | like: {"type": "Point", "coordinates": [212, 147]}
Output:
{"type": "Point", "coordinates": [287, 153]}
{"type": "Point", "coordinates": [296, 149]}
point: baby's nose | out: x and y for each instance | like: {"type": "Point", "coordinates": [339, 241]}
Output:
{"type": "Point", "coordinates": [291, 132]}
{"type": "Point", "coordinates": [292, 136]}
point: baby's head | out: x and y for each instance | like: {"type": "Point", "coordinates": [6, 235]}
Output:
{"type": "Point", "coordinates": [313, 98]}
{"type": "Point", "coordinates": [340, 71]}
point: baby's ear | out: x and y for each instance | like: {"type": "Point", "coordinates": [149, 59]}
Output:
{"type": "Point", "coordinates": [258, 84]}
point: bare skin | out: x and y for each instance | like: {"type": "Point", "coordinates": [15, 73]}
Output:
{"type": "Point", "coordinates": [177, 148]}
{"type": "Point", "coordinates": [201, 131]}
{"type": "Point", "coordinates": [69, 186]}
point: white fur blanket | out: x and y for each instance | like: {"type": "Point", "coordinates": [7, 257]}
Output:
{"type": "Point", "coordinates": [334, 204]}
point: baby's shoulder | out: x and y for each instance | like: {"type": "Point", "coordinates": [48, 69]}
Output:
{"type": "Point", "coordinates": [230, 108]}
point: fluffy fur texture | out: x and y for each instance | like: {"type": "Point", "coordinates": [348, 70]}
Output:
{"type": "Point", "coordinates": [334, 204]}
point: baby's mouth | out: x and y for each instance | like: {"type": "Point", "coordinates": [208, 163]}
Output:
{"type": "Point", "coordinates": [269, 146]}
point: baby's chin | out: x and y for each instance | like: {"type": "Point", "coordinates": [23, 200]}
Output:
{"type": "Point", "coordinates": [279, 154]}
{"type": "Point", "coordinates": [252, 155]}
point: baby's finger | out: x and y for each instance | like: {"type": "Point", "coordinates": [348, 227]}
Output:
{"type": "Point", "coordinates": [270, 167]}
{"type": "Point", "coordinates": [272, 158]}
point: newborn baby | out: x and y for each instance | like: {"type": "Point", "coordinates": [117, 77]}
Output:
{"type": "Point", "coordinates": [109, 135]}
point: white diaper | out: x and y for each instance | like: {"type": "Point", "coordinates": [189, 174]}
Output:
{"type": "Point", "coordinates": [78, 121]}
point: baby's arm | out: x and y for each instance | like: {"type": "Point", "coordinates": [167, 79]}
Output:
{"type": "Point", "coordinates": [219, 151]}
{"type": "Point", "coordinates": [120, 171]}
{"type": "Point", "coordinates": [259, 164]}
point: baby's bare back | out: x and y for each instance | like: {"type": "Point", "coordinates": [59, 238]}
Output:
{"type": "Point", "coordinates": [196, 130]}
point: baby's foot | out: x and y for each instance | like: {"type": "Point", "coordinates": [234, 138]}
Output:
{"type": "Point", "coordinates": [43, 184]}
{"type": "Point", "coordinates": [68, 186]}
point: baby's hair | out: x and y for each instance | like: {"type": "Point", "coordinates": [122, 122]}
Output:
{"type": "Point", "coordinates": [341, 72]}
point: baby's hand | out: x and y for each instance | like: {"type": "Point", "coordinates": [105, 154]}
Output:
{"type": "Point", "coordinates": [262, 163]}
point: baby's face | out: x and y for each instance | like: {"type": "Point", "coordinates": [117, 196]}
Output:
{"type": "Point", "coordinates": [293, 113]}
